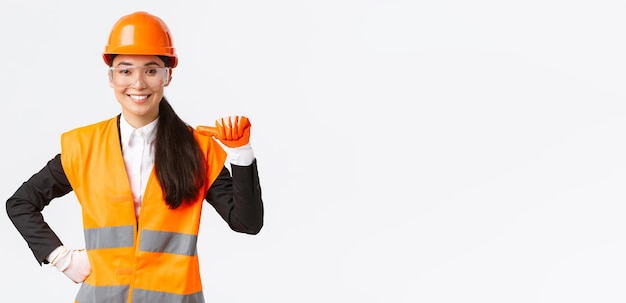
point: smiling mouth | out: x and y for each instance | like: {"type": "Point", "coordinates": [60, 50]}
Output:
{"type": "Point", "coordinates": [138, 97]}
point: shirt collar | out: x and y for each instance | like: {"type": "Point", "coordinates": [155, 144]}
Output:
{"type": "Point", "coordinates": [126, 130]}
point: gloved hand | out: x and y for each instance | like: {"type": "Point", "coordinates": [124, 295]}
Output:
{"type": "Point", "coordinates": [231, 133]}
{"type": "Point", "coordinates": [73, 263]}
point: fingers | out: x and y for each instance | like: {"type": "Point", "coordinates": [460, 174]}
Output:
{"type": "Point", "coordinates": [229, 130]}
{"type": "Point", "coordinates": [233, 131]}
{"type": "Point", "coordinates": [79, 267]}
{"type": "Point", "coordinates": [243, 125]}
{"type": "Point", "coordinates": [224, 128]}
{"type": "Point", "coordinates": [233, 128]}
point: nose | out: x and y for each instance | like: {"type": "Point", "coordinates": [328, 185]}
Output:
{"type": "Point", "coordinates": [139, 82]}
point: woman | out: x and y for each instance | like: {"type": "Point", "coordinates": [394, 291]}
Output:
{"type": "Point", "coordinates": [140, 178]}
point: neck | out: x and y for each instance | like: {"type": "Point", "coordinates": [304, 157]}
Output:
{"type": "Point", "coordinates": [138, 122]}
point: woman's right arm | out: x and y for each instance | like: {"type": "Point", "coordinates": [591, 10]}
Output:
{"type": "Point", "coordinates": [25, 206]}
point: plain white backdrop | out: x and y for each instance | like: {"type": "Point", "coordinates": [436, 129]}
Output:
{"type": "Point", "coordinates": [409, 151]}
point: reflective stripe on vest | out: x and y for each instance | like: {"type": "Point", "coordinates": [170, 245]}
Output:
{"type": "Point", "coordinates": [150, 240]}
{"type": "Point", "coordinates": [109, 237]}
{"type": "Point", "coordinates": [168, 242]}
{"type": "Point", "coordinates": [92, 294]}
{"type": "Point", "coordinates": [141, 295]}
{"type": "Point", "coordinates": [116, 294]}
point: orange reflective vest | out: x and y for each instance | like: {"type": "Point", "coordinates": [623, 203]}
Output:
{"type": "Point", "coordinates": [149, 259]}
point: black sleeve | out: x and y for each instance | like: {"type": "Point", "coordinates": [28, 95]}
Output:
{"type": "Point", "coordinates": [238, 198]}
{"type": "Point", "coordinates": [25, 206]}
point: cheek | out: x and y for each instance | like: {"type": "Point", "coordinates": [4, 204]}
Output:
{"type": "Point", "coordinates": [118, 91]}
{"type": "Point", "coordinates": [119, 95]}
{"type": "Point", "coordinates": [158, 94]}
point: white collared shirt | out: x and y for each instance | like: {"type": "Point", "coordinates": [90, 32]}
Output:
{"type": "Point", "coordinates": [138, 152]}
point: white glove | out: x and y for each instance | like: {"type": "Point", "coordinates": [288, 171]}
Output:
{"type": "Point", "coordinates": [73, 263]}
{"type": "Point", "coordinates": [242, 156]}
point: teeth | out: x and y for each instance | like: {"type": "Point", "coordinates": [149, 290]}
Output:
{"type": "Point", "coordinates": [140, 97]}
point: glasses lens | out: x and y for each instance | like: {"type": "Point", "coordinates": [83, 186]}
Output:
{"type": "Point", "coordinates": [151, 76]}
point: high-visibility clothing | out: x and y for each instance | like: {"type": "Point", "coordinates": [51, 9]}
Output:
{"type": "Point", "coordinates": [149, 259]}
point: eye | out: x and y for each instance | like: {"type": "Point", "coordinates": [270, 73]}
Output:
{"type": "Point", "coordinates": [151, 71]}
{"type": "Point", "coordinates": [124, 71]}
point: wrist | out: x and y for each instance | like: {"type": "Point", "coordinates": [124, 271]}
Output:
{"type": "Point", "coordinates": [242, 156]}
{"type": "Point", "coordinates": [54, 255]}
{"type": "Point", "coordinates": [63, 259]}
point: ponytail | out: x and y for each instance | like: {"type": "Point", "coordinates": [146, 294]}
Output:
{"type": "Point", "coordinates": [179, 161]}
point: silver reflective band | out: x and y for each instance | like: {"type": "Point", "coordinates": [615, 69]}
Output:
{"type": "Point", "coordinates": [151, 296]}
{"type": "Point", "coordinates": [109, 237]}
{"type": "Point", "coordinates": [168, 242]}
{"type": "Point", "coordinates": [93, 294]}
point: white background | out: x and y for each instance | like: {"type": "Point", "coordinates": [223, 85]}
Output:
{"type": "Point", "coordinates": [409, 151]}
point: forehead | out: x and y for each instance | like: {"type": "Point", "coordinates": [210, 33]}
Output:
{"type": "Point", "coordinates": [137, 60]}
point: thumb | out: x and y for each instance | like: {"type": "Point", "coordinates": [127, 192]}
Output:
{"type": "Point", "coordinates": [207, 130]}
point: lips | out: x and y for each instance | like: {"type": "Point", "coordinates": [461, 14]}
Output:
{"type": "Point", "coordinates": [138, 98]}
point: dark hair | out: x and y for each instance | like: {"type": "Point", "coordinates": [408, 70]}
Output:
{"type": "Point", "coordinates": [166, 60]}
{"type": "Point", "coordinates": [179, 162]}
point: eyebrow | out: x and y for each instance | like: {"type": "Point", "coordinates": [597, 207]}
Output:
{"type": "Point", "coordinates": [151, 63]}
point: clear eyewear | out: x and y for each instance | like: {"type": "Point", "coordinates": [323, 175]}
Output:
{"type": "Point", "coordinates": [127, 76]}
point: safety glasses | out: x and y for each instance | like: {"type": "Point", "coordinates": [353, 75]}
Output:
{"type": "Point", "coordinates": [128, 75]}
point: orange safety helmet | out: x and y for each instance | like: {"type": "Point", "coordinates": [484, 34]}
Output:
{"type": "Point", "coordinates": [140, 33]}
